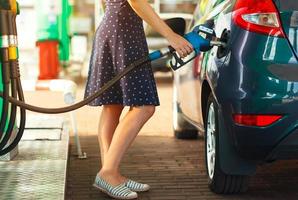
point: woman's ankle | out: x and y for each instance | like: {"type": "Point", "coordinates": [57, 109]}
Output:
{"type": "Point", "coordinates": [111, 176]}
{"type": "Point", "coordinates": [109, 172]}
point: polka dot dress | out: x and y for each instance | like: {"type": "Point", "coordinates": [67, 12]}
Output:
{"type": "Point", "coordinates": [119, 41]}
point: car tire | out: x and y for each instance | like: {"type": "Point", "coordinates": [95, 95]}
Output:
{"type": "Point", "coordinates": [218, 181]}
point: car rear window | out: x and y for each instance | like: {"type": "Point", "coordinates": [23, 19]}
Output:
{"type": "Point", "coordinates": [285, 5]}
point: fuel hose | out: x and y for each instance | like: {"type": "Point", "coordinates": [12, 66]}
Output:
{"type": "Point", "coordinates": [21, 126]}
{"type": "Point", "coordinates": [82, 103]}
{"type": "Point", "coordinates": [6, 147]}
{"type": "Point", "coordinates": [13, 65]}
{"type": "Point", "coordinates": [5, 65]}
{"type": "Point", "coordinates": [11, 79]}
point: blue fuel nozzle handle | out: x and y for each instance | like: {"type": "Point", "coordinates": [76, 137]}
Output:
{"type": "Point", "coordinates": [196, 41]}
{"type": "Point", "coordinates": [199, 44]}
{"type": "Point", "coordinates": [200, 38]}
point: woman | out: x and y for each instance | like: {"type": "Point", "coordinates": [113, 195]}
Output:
{"type": "Point", "coordinates": [119, 41]}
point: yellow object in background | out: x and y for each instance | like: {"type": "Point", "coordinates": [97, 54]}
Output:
{"type": "Point", "coordinates": [13, 53]}
{"type": "Point", "coordinates": [203, 10]}
{"type": "Point", "coordinates": [203, 5]}
{"type": "Point", "coordinates": [13, 6]}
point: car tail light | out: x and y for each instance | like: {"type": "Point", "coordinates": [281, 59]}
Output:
{"type": "Point", "coordinates": [260, 16]}
{"type": "Point", "coordinates": [256, 120]}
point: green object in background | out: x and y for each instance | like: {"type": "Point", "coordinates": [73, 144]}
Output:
{"type": "Point", "coordinates": [53, 24]}
{"type": "Point", "coordinates": [63, 21]}
{"type": "Point", "coordinates": [47, 20]}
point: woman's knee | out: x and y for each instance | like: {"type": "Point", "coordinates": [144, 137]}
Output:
{"type": "Point", "coordinates": [147, 111]}
{"type": "Point", "coordinates": [113, 109]}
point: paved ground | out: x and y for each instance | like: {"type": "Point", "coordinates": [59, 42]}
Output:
{"type": "Point", "coordinates": [174, 168]}
{"type": "Point", "coordinates": [39, 170]}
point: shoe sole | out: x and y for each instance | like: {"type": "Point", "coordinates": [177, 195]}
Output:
{"type": "Point", "coordinates": [147, 190]}
{"type": "Point", "coordinates": [116, 197]}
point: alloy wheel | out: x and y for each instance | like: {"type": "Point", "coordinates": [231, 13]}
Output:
{"type": "Point", "coordinates": [211, 141]}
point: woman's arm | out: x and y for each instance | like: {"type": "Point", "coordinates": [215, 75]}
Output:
{"type": "Point", "coordinates": [146, 12]}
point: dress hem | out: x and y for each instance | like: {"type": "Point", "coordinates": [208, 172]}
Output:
{"type": "Point", "coordinates": [123, 104]}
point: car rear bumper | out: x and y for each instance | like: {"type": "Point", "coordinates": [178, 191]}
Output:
{"type": "Point", "coordinates": [286, 149]}
{"type": "Point", "coordinates": [277, 141]}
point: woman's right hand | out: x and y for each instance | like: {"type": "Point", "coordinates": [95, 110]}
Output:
{"type": "Point", "coordinates": [146, 12]}
{"type": "Point", "coordinates": [181, 45]}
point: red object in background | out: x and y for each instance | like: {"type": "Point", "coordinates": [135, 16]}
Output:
{"type": "Point", "coordinates": [197, 65]}
{"type": "Point", "coordinates": [48, 60]}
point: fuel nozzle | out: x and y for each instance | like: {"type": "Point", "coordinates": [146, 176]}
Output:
{"type": "Point", "coordinates": [207, 32]}
{"type": "Point", "coordinates": [217, 42]}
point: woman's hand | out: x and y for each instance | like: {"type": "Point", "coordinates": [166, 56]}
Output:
{"type": "Point", "coordinates": [146, 12]}
{"type": "Point", "coordinates": [181, 45]}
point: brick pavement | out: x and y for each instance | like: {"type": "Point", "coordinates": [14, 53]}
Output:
{"type": "Point", "coordinates": [175, 169]}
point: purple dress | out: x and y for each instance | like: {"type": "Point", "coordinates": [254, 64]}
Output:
{"type": "Point", "coordinates": [119, 41]}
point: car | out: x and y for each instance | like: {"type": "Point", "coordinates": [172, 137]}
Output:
{"type": "Point", "coordinates": [242, 97]}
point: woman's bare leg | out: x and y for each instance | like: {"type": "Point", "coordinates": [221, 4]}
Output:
{"type": "Point", "coordinates": [108, 123]}
{"type": "Point", "coordinates": [124, 135]}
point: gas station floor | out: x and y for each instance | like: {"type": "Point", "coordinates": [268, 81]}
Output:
{"type": "Point", "coordinates": [39, 169]}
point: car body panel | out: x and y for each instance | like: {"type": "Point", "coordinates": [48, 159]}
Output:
{"type": "Point", "coordinates": [289, 19]}
{"type": "Point", "coordinates": [290, 24]}
{"type": "Point", "coordinates": [193, 78]}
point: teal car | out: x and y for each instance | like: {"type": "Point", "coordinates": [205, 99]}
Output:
{"type": "Point", "coordinates": [242, 97]}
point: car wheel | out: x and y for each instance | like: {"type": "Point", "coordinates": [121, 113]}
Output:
{"type": "Point", "coordinates": [218, 181]}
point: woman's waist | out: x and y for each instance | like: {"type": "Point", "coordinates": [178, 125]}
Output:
{"type": "Point", "coordinates": [123, 13]}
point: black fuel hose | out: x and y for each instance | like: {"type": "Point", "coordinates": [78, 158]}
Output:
{"type": "Point", "coordinates": [12, 76]}
{"type": "Point", "coordinates": [22, 123]}
{"type": "Point", "coordinates": [5, 106]}
{"type": "Point", "coordinates": [13, 112]}
{"type": "Point", "coordinates": [4, 29]}
{"type": "Point", "coordinates": [109, 84]}
{"type": "Point", "coordinates": [14, 71]}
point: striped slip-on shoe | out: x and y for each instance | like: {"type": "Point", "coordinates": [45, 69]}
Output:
{"type": "Point", "coordinates": [137, 187]}
{"type": "Point", "coordinates": [117, 192]}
